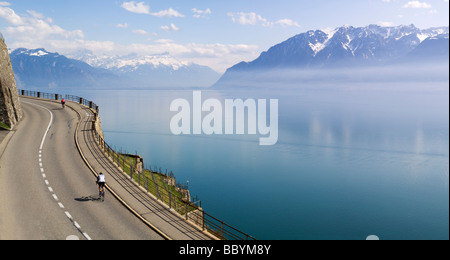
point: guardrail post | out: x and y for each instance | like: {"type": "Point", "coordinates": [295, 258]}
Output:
{"type": "Point", "coordinates": [203, 220]}
{"type": "Point", "coordinates": [123, 163]}
{"type": "Point", "coordinates": [93, 123]}
{"type": "Point", "coordinates": [39, 94]}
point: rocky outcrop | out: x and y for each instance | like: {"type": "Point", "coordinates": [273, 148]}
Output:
{"type": "Point", "coordinates": [10, 108]}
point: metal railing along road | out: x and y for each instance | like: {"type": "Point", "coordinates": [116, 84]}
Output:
{"type": "Point", "coordinates": [52, 96]}
{"type": "Point", "coordinates": [83, 101]}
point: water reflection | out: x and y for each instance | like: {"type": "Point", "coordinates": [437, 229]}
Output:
{"type": "Point", "coordinates": [349, 163]}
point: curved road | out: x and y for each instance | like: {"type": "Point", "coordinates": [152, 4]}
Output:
{"type": "Point", "coordinates": [47, 191]}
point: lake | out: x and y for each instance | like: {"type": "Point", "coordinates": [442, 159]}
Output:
{"type": "Point", "coordinates": [352, 160]}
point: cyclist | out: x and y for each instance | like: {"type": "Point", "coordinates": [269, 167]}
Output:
{"type": "Point", "coordinates": [63, 102]}
{"type": "Point", "coordinates": [101, 180]}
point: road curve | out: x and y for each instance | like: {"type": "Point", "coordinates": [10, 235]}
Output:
{"type": "Point", "coordinates": [46, 190]}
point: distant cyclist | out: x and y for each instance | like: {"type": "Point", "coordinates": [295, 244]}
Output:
{"type": "Point", "coordinates": [63, 103]}
{"type": "Point", "coordinates": [101, 181]}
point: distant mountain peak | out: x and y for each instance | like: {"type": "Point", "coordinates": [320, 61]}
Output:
{"type": "Point", "coordinates": [345, 46]}
{"type": "Point", "coordinates": [33, 52]}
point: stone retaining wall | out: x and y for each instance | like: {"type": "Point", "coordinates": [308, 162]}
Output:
{"type": "Point", "coordinates": [10, 109]}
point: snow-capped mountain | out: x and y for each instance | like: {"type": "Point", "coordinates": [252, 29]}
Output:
{"type": "Point", "coordinates": [346, 46]}
{"type": "Point", "coordinates": [128, 63]}
{"type": "Point", "coordinates": [40, 68]}
{"type": "Point", "coordinates": [153, 70]}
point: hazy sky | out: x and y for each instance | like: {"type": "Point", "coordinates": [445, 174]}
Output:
{"type": "Point", "coordinates": [215, 33]}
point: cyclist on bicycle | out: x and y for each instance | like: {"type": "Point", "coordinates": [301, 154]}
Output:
{"type": "Point", "coordinates": [101, 180]}
{"type": "Point", "coordinates": [63, 102]}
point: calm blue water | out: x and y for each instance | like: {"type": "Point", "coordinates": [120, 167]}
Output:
{"type": "Point", "coordinates": [351, 161]}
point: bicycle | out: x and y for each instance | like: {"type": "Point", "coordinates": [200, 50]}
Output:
{"type": "Point", "coordinates": [101, 181]}
{"type": "Point", "coordinates": [102, 192]}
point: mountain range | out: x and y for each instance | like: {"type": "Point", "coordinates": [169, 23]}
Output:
{"type": "Point", "coordinates": [156, 70]}
{"type": "Point", "coordinates": [307, 56]}
{"type": "Point", "coordinates": [344, 47]}
{"type": "Point", "coordinates": [39, 68]}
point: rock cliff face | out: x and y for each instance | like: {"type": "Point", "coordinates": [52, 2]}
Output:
{"type": "Point", "coordinates": [10, 109]}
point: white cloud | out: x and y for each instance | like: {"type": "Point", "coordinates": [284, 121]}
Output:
{"type": "Point", "coordinates": [170, 28]}
{"type": "Point", "coordinates": [9, 15]}
{"type": "Point", "coordinates": [168, 13]}
{"type": "Point", "coordinates": [256, 19]}
{"type": "Point", "coordinates": [287, 23]}
{"type": "Point", "coordinates": [34, 27]}
{"type": "Point", "coordinates": [201, 13]}
{"type": "Point", "coordinates": [36, 14]}
{"type": "Point", "coordinates": [164, 41]}
{"type": "Point", "coordinates": [141, 32]}
{"type": "Point", "coordinates": [142, 8]}
{"type": "Point", "coordinates": [249, 19]}
{"type": "Point", "coordinates": [124, 25]}
{"type": "Point", "coordinates": [138, 8]}
{"type": "Point", "coordinates": [417, 5]}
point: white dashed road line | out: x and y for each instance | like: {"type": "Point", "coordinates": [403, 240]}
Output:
{"type": "Point", "coordinates": [47, 183]}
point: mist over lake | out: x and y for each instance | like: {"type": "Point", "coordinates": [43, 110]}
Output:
{"type": "Point", "coordinates": [352, 160]}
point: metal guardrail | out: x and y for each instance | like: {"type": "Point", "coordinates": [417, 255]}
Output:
{"type": "Point", "coordinates": [52, 96]}
{"type": "Point", "coordinates": [169, 193]}
{"type": "Point", "coordinates": [83, 101]}
{"type": "Point", "coordinates": [38, 94]}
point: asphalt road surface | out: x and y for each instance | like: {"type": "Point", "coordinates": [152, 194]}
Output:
{"type": "Point", "coordinates": [46, 190]}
